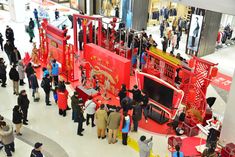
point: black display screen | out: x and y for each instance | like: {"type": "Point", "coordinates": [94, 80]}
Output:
{"type": "Point", "coordinates": [158, 92]}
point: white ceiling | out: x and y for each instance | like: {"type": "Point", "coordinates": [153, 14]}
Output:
{"type": "Point", "coordinates": [222, 6]}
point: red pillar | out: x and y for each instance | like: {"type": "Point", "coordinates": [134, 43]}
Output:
{"type": "Point", "coordinates": [75, 34]}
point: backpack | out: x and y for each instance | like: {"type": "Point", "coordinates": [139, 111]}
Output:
{"type": "Point", "coordinates": [43, 83]}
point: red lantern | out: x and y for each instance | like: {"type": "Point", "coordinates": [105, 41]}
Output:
{"type": "Point", "coordinates": [214, 72]}
{"type": "Point", "coordinates": [181, 74]}
{"type": "Point", "coordinates": [191, 95]}
{"type": "Point", "coordinates": [193, 79]}
{"type": "Point", "coordinates": [191, 63]}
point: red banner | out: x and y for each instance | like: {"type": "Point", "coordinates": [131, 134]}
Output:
{"type": "Point", "coordinates": [108, 67]}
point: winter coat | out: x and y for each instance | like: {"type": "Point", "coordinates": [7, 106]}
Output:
{"type": "Point", "coordinates": [2, 70]}
{"type": "Point", "coordinates": [90, 107]}
{"type": "Point", "coordinates": [80, 36]}
{"type": "Point", "coordinates": [15, 57]}
{"type": "Point", "coordinates": [14, 75]}
{"type": "Point", "coordinates": [21, 71]}
{"type": "Point", "coordinates": [34, 81]}
{"type": "Point", "coordinates": [30, 32]}
{"type": "Point", "coordinates": [101, 117]}
{"type": "Point", "coordinates": [63, 99]}
{"type": "Point", "coordinates": [29, 71]}
{"type": "Point", "coordinates": [122, 94]}
{"type": "Point", "coordinates": [136, 95]}
{"type": "Point", "coordinates": [6, 134]}
{"type": "Point", "coordinates": [113, 121]}
{"type": "Point", "coordinates": [8, 48]}
{"type": "Point", "coordinates": [31, 24]}
{"type": "Point", "coordinates": [23, 102]}
{"type": "Point", "coordinates": [55, 69]}
{"type": "Point", "coordinates": [47, 86]}
{"type": "Point", "coordinates": [74, 103]}
{"type": "Point", "coordinates": [127, 127]}
{"type": "Point", "coordinates": [17, 117]}
{"type": "Point", "coordinates": [137, 112]}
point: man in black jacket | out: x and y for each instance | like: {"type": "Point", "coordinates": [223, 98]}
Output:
{"type": "Point", "coordinates": [46, 85]}
{"type": "Point", "coordinates": [136, 93]}
{"type": "Point", "coordinates": [23, 102]}
{"type": "Point", "coordinates": [81, 118]}
{"type": "Point", "coordinates": [137, 115]}
{"type": "Point", "coordinates": [80, 39]}
{"type": "Point", "coordinates": [3, 72]}
{"type": "Point", "coordinates": [29, 71]}
{"type": "Point", "coordinates": [15, 56]}
{"type": "Point", "coordinates": [10, 35]}
{"type": "Point", "coordinates": [14, 76]}
{"type": "Point", "coordinates": [8, 48]}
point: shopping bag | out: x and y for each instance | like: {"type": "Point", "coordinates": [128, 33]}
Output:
{"type": "Point", "coordinates": [36, 96]}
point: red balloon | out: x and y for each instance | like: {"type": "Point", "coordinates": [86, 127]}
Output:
{"type": "Point", "coordinates": [214, 72]}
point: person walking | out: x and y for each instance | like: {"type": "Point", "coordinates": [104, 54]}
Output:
{"type": "Point", "coordinates": [145, 105]}
{"type": "Point", "coordinates": [90, 107]}
{"type": "Point", "coordinates": [8, 48]}
{"type": "Point", "coordinates": [162, 27]}
{"type": "Point", "coordinates": [31, 34]}
{"type": "Point", "coordinates": [17, 119]}
{"type": "Point", "coordinates": [3, 73]}
{"type": "Point", "coordinates": [81, 118]}
{"type": "Point", "coordinates": [57, 14]}
{"type": "Point", "coordinates": [178, 40]}
{"type": "Point", "coordinates": [23, 102]}
{"type": "Point", "coordinates": [75, 107]}
{"type": "Point", "coordinates": [113, 123]}
{"type": "Point", "coordinates": [21, 70]}
{"type": "Point", "coordinates": [145, 146]}
{"type": "Point", "coordinates": [62, 101]}
{"type": "Point", "coordinates": [137, 115]}
{"type": "Point", "coordinates": [126, 126]}
{"type": "Point", "coordinates": [46, 85]}
{"type": "Point", "coordinates": [55, 72]}
{"type": "Point", "coordinates": [7, 138]}
{"type": "Point", "coordinates": [10, 35]}
{"type": "Point", "coordinates": [101, 117]}
{"type": "Point", "coordinates": [14, 76]}
{"type": "Point", "coordinates": [29, 71]}
{"type": "Point", "coordinates": [34, 86]}
{"type": "Point", "coordinates": [164, 44]}
{"type": "Point", "coordinates": [35, 13]}
{"type": "Point", "coordinates": [36, 152]}
{"type": "Point", "coordinates": [1, 41]}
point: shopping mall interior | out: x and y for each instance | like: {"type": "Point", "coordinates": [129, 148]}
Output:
{"type": "Point", "coordinates": [155, 78]}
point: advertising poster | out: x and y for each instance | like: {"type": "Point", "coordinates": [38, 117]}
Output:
{"type": "Point", "coordinates": [195, 32]}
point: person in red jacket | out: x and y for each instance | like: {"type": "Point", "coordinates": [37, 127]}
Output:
{"type": "Point", "coordinates": [62, 101]}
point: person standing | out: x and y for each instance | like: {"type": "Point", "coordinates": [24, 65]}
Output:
{"type": "Point", "coordinates": [75, 107]}
{"type": "Point", "coordinates": [1, 41]}
{"type": "Point", "coordinates": [122, 93]}
{"type": "Point", "coordinates": [164, 44]}
{"type": "Point", "coordinates": [101, 117]}
{"type": "Point", "coordinates": [17, 119]}
{"type": "Point", "coordinates": [145, 146]}
{"type": "Point", "coordinates": [178, 40]}
{"type": "Point", "coordinates": [29, 71]}
{"type": "Point", "coordinates": [30, 31]}
{"type": "Point", "coordinates": [21, 70]}
{"type": "Point", "coordinates": [34, 86]}
{"type": "Point", "coordinates": [178, 153]}
{"type": "Point", "coordinates": [113, 124]}
{"type": "Point", "coordinates": [35, 12]}
{"type": "Point", "coordinates": [62, 101]}
{"type": "Point", "coordinates": [162, 27]}
{"type": "Point", "coordinates": [10, 35]}
{"type": "Point", "coordinates": [80, 38]}
{"type": "Point", "coordinates": [136, 93]}
{"type": "Point", "coordinates": [46, 85]}
{"type": "Point", "coordinates": [57, 14]}
{"type": "Point", "coordinates": [15, 56]}
{"type": "Point", "coordinates": [126, 126]}
{"type": "Point", "coordinates": [8, 48]}
{"type": "Point", "coordinates": [55, 72]}
{"type": "Point", "coordinates": [36, 152]}
{"type": "Point", "coordinates": [3, 73]}
{"type": "Point", "coordinates": [81, 118]}
{"type": "Point", "coordinates": [137, 115]}
{"type": "Point", "coordinates": [14, 76]}
{"type": "Point", "coordinates": [90, 107]}
{"type": "Point", "coordinates": [145, 105]}
{"type": "Point", "coordinates": [23, 102]}
{"type": "Point", "coordinates": [7, 138]}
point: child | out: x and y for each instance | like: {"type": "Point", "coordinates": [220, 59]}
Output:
{"type": "Point", "coordinates": [55, 94]}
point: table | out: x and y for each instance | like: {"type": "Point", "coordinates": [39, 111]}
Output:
{"type": "Point", "coordinates": [84, 93]}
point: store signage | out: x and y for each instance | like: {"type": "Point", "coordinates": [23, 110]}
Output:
{"type": "Point", "coordinates": [222, 81]}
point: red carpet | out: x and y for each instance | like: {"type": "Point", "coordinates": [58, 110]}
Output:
{"type": "Point", "coordinates": [188, 146]}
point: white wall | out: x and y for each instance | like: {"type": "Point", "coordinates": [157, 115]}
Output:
{"type": "Point", "coordinates": [17, 10]}
{"type": "Point", "coordinates": [222, 6]}
{"type": "Point", "coordinates": [228, 129]}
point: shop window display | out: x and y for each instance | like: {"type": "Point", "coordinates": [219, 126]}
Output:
{"type": "Point", "coordinates": [110, 7]}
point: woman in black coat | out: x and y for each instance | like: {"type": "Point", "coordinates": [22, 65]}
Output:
{"type": "Point", "coordinates": [17, 119]}
{"type": "Point", "coordinates": [29, 71]}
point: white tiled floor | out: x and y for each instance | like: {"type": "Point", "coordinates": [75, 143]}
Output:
{"type": "Point", "coordinates": [46, 121]}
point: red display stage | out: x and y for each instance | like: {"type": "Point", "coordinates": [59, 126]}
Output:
{"type": "Point", "coordinates": [107, 66]}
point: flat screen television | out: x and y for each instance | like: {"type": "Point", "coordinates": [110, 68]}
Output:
{"type": "Point", "coordinates": [158, 92]}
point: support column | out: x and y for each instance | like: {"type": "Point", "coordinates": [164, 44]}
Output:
{"type": "Point", "coordinates": [209, 33]}
{"type": "Point", "coordinates": [17, 10]}
{"type": "Point", "coordinates": [228, 126]}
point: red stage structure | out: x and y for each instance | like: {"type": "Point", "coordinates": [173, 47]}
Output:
{"type": "Point", "coordinates": [53, 45]}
